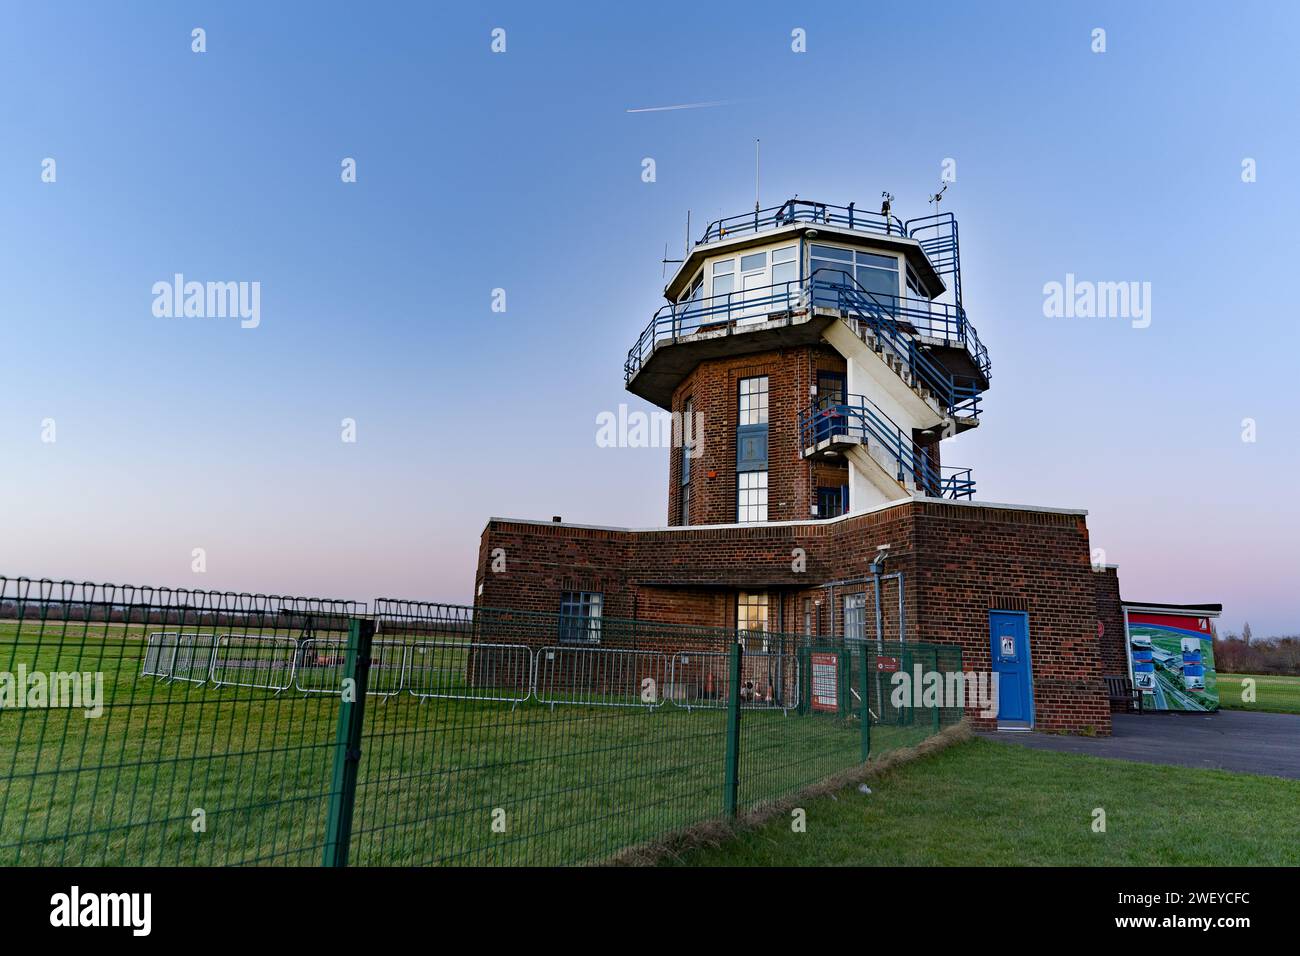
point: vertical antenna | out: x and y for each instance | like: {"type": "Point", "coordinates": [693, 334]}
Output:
{"type": "Point", "coordinates": [756, 172]}
{"type": "Point", "coordinates": [688, 232]}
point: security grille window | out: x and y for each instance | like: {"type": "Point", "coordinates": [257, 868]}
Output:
{"type": "Point", "coordinates": [753, 400]}
{"type": "Point", "coordinates": [580, 617]}
{"type": "Point", "coordinates": [751, 620]}
{"type": "Point", "coordinates": [855, 617]}
{"type": "Point", "coordinates": [751, 496]}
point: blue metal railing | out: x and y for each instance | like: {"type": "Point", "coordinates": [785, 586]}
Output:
{"type": "Point", "coordinates": [859, 418]}
{"type": "Point", "coordinates": [718, 313]}
{"type": "Point", "coordinates": [937, 237]}
{"type": "Point", "coordinates": [936, 234]}
{"type": "Point", "coordinates": [960, 401]}
{"type": "Point", "coordinates": [725, 313]}
{"type": "Point", "coordinates": [803, 210]}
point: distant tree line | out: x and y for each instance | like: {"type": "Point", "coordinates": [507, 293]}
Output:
{"type": "Point", "coordinates": [1244, 654]}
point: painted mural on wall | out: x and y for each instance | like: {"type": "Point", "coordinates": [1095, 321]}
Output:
{"type": "Point", "coordinates": [1172, 661]}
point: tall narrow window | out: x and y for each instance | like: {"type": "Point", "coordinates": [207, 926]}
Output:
{"type": "Point", "coordinates": [751, 450]}
{"type": "Point", "coordinates": [688, 443]}
{"type": "Point", "coordinates": [751, 620]}
{"type": "Point", "coordinates": [855, 617]}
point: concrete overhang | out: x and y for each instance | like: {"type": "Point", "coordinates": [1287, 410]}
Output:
{"type": "Point", "coordinates": [673, 359]}
{"type": "Point", "coordinates": [910, 248]}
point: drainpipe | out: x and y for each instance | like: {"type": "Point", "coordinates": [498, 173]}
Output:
{"type": "Point", "coordinates": [878, 562]}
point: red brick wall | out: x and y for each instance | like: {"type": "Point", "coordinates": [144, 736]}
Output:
{"type": "Point", "coordinates": [958, 562]}
{"type": "Point", "coordinates": [714, 390]}
{"type": "Point", "coordinates": [970, 560]}
{"type": "Point", "coordinates": [1110, 615]}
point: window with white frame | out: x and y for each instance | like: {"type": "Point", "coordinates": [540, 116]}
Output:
{"type": "Point", "coordinates": [580, 617]}
{"type": "Point", "coordinates": [753, 272]}
{"type": "Point", "coordinates": [753, 401]}
{"type": "Point", "coordinates": [751, 620]}
{"type": "Point", "coordinates": [855, 617]}
{"type": "Point", "coordinates": [751, 496]}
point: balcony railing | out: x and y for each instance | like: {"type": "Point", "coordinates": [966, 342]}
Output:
{"type": "Point", "coordinates": [717, 313]}
{"type": "Point", "coordinates": [893, 320]}
{"type": "Point", "coordinates": [860, 419]}
{"type": "Point", "coordinates": [803, 210]}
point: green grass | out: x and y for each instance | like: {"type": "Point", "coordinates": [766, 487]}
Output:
{"type": "Point", "coordinates": [988, 803]}
{"type": "Point", "coordinates": [1273, 692]}
{"type": "Point", "coordinates": [575, 783]}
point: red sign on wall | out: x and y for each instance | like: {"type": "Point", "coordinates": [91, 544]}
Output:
{"type": "Point", "coordinates": [888, 664]}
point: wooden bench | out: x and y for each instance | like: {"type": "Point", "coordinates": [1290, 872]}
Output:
{"type": "Point", "coordinates": [1121, 691]}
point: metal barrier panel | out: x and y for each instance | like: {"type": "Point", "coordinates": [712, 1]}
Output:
{"type": "Point", "coordinates": [160, 647]}
{"type": "Point", "coordinates": [266, 663]}
{"type": "Point", "coordinates": [460, 671]}
{"type": "Point", "coordinates": [768, 680]}
{"type": "Point", "coordinates": [320, 667]}
{"type": "Point", "coordinates": [192, 661]}
{"type": "Point", "coordinates": [601, 676]}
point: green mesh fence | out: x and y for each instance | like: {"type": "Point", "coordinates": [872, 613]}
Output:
{"type": "Point", "coordinates": [202, 728]}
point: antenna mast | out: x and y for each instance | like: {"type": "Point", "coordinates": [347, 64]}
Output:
{"type": "Point", "coordinates": [756, 172]}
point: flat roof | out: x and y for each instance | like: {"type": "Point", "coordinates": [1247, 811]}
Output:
{"type": "Point", "coordinates": [803, 522]}
{"type": "Point", "coordinates": [1203, 610]}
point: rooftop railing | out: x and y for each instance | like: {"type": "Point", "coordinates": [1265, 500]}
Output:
{"type": "Point", "coordinates": [803, 210]}
{"type": "Point", "coordinates": [858, 418]}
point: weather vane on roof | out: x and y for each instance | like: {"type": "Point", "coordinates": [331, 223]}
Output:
{"type": "Point", "coordinates": [938, 198]}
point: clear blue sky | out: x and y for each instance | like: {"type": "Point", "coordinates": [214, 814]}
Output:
{"type": "Point", "coordinates": [522, 171]}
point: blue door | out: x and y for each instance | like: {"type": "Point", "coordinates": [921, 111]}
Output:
{"type": "Point", "coordinates": [1009, 631]}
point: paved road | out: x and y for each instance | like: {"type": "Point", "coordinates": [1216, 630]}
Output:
{"type": "Point", "coordinates": [1229, 740]}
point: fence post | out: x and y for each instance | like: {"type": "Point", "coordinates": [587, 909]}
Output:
{"type": "Point", "coordinates": [733, 732]}
{"type": "Point", "coordinates": [866, 706]}
{"type": "Point", "coordinates": [938, 711]}
{"type": "Point", "coordinates": [347, 741]}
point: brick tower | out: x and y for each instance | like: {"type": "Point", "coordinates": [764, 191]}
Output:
{"type": "Point", "coordinates": [826, 353]}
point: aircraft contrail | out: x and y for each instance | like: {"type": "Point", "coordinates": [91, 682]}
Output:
{"type": "Point", "coordinates": [679, 106]}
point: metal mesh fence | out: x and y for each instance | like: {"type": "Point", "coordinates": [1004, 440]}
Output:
{"type": "Point", "coordinates": [147, 726]}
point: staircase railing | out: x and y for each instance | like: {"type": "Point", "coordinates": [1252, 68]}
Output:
{"type": "Point", "coordinates": [859, 418]}
{"type": "Point", "coordinates": [835, 286]}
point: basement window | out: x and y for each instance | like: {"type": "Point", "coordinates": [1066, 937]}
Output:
{"type": "Point", "coordinates": [580, 617]}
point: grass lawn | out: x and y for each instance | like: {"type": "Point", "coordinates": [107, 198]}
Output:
{"type": "Point", "coordinates": [441, 781]}
{"type": "Point", "coordinates": [987, 803]}
{"type": "Point", "coordinates": [1273, 692]}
